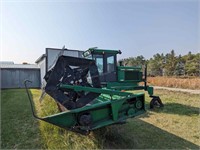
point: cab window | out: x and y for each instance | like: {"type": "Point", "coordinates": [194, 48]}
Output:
{"type": "Point", "coordinates": [99, 63]}
{"type": "Point", "coordinates": [110, 64]}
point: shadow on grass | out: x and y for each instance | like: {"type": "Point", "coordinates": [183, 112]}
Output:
{"type": "Point", "coordinates": [180, 109]}
{"type": "Point", "coordinates": [175, 108]}
{"type": "Point", "coordinates": [137, 134]}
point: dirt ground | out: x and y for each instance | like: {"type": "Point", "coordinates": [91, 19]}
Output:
{"type": "Point", "coordinates": [178, 89]}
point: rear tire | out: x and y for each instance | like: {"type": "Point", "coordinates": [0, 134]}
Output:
{"type": "Point", "coordinates": [156, 102]}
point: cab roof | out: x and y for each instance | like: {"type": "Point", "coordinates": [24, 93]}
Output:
{"type": "Point", "coordinates": [100, 51]}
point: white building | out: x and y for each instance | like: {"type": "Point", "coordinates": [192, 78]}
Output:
{"type": "Point", "coordinates": [47, 60]}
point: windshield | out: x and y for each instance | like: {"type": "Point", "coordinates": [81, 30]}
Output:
{"type": "Point", "coordinates": [99, 62]}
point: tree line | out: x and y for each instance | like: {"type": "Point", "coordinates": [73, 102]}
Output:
{"type": "Point", "coordinates": [168, 65]}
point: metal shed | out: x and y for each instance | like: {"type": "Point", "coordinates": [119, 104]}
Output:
{"type": "Point", "coordinates": [13, 75]}
{"type": "Point", "coordinates": [46, 60]}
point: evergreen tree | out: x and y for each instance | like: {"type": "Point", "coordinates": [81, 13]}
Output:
{"type": "Point", "coordinates": [171, 63]}
{"type": "Point", "coordinates": [168, 64]}
{"type": "Point", "coordinates": [180, 67]}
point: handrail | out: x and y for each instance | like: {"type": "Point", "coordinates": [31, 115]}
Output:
{"type": "Point", "coordinates": [30, 100]}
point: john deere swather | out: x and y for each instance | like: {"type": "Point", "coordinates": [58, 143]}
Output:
{"type": "Point", "coordinates": [90, 91]}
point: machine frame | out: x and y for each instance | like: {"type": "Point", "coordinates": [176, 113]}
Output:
{"type": "Point", "coordinates": [102, 102]}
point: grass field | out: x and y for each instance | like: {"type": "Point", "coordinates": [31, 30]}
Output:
{"type": "Point", "coordinates": [185, 83]}
{"type": "Point", "coordinates": [175, 126]}
{"type": "Point", "coordinates": [18, 128]}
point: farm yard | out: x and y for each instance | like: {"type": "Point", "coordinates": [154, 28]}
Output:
{"type": "Point", "coordinates": [174, 126]}
{"type": "Point", "coordinates": [107, 63]}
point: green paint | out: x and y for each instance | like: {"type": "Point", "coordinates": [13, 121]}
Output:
{"type": "Point", "coordinates": [110, 107]}
{"type": "Point", "coordinates": [95, 90]}
{"type": "Point", "coordinates": [150, 90]}
{"type": "Point", "coordinates": [129, 73]}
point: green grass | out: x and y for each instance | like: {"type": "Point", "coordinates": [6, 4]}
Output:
{"type": "Point", "coordinates": [174, 126]}
{"type": "Point", "coordinates": [19, 130]}
{"type": "Point", "coordinates": [55, 137]}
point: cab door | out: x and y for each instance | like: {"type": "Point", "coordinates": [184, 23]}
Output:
{"type": "Point", "coordinates": [110, 67]}
{"type": "Point", "coordinates": [106, 64]}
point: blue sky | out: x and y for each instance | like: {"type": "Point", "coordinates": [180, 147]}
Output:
{"type": "Point", "coordinates": [137, 27]}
